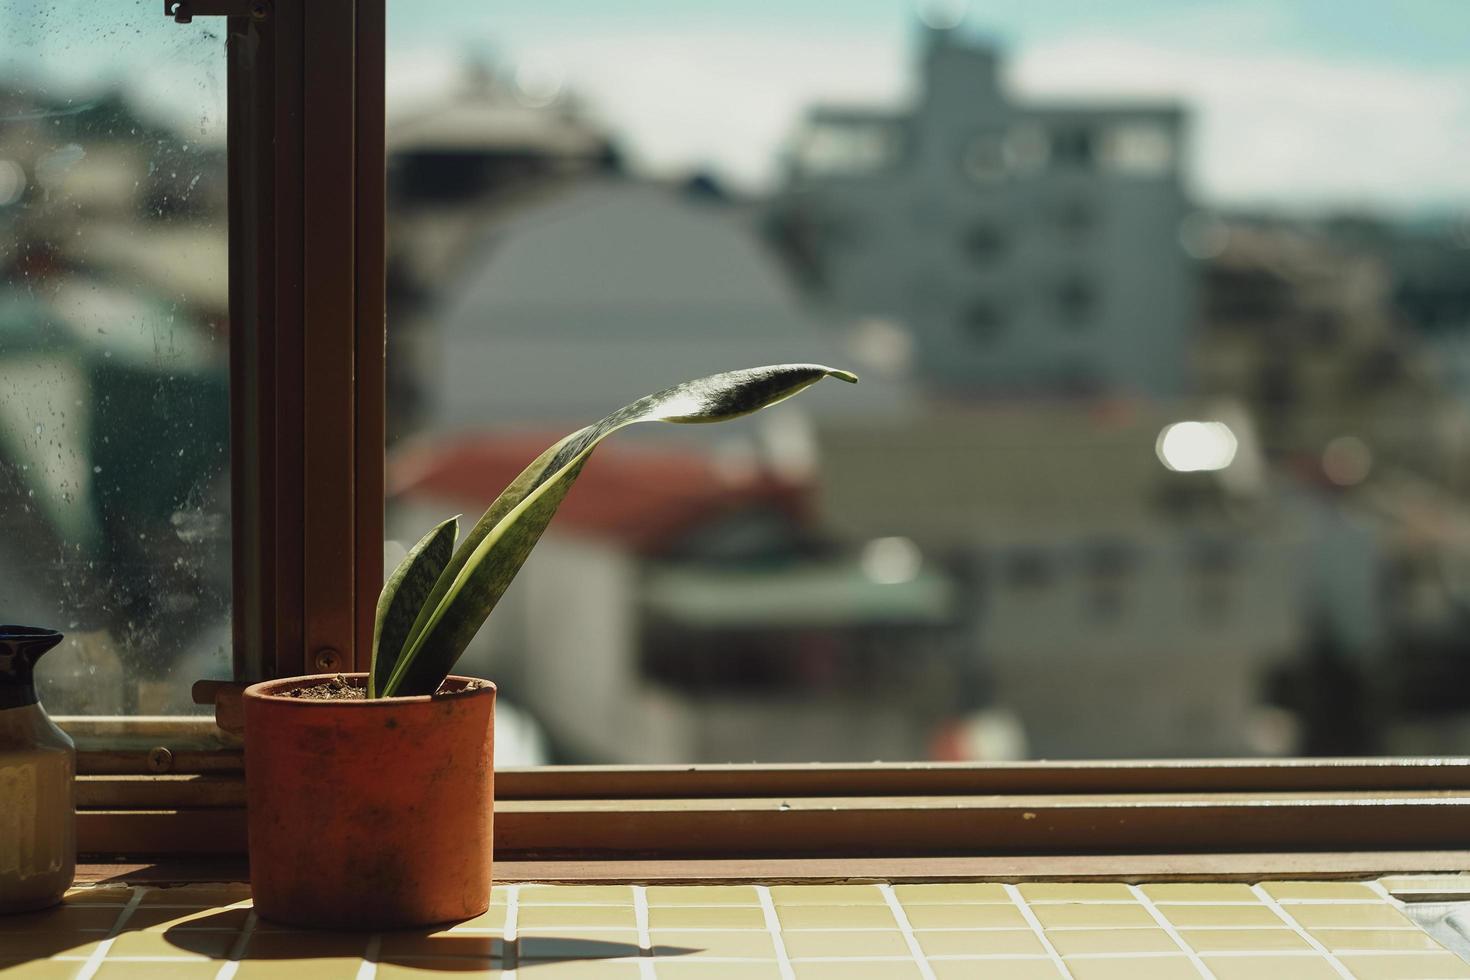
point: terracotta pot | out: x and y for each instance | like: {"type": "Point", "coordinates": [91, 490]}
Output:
{"type": "Point", "coordinates": [369, 814]}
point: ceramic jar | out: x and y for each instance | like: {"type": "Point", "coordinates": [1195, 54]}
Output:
{"type": "Point", "coordinates": [38, 764]}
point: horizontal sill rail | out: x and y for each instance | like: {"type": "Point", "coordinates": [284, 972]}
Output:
{"type": "Point", "coordinates": [864, 826]}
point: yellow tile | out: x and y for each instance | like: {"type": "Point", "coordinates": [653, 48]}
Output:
{"type": "Point", "coordinates": [1093, 915]}
{"type": "Point", "coordinates": [425, 942]}
{"type": "Point", "coordinates": [706, 970]}
{"type": "Point", "coordinates": [1150, 968]}
{"type": "Point", "coordinates": [693, 943]}
{"type": "Point", "coordinates": [836, 917]}
{"type": "Point", "coordinates": [492, 918]}
{"type": "Point", "coordinates": [952, 894]}
{"type": "Point", "coordinates": [199, 896]}
{"type": "Point", "coordinates": [1338, 940]}
{"type": "Point", "coordinates": [712, 917]}
{"type": "Point", "coordinates": [1228, 915]}
{"type": "Point", "coordinates": [988, 942]}
{"type": "Point", "coordinates": [1243, 940]}
{"type": "Point", "coordinates": [1348, 916]}
{"type": "Point", "coordinates": [566, 944]}
{"type": "Point", "coordinates": [155, 971]}
{"type": "Point", "coordinates": [1427, 884]}
{"type": "Point", "coordinates": [1189, 891]}
{"type": "Point", "coordinates": [58, 919]}
{"type": "Point", "coordinates": [1270, 968]}
{"type": "Point", "coordinates": [499, 895]}
{"type": "Point", "coordinates": [1408, 966]}
{"type": "Point", "coordinates": [816, 944]}
{"type": "Point", "coordinates": [99, 895]}
{"type": "Point", "coordinates": [158, 919]}
{"type": "Point", "coordinates": [576, 895]}
{"type": "Point", "coordinates": [995, 970]}
{"type": "Point", "coordinates": [1296, 891]}
{"type": "Point", "coordinates": [827, 895]}
{"type": "Point", "coordinates": [184, 945]}
{"type": "Point", "coordinates": [967, 916]}
{"type": "Point", "coordinates": [33, 945]}
{"type": "Point", "coordinates": [39, 969]}
{"type": "Point", "coordinates": [584, 970]}
{"type": "Point", "coordinates": [294, 945]}
{"type": "Point", "coordinates": [659, 895]}
{"type": "Point", "coordinates": [306, 968]}
{"type": "Point", "coordinates": [1072, 941]}
{"type": "Point", "coordinates": [577, 916]}
{"type": "Point", "coordinates": [857, 970]}
{"type": "Point", "coordinates": [411, 969]}
{"type": "Point", "coordinates": [1076, 891]}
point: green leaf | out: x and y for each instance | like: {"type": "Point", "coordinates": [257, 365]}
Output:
{"type": "Point", "coordinates": [405, 592]}
{"type": "Point", "coordinates": [493, 552]}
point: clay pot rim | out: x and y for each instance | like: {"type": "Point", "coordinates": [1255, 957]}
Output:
{"type": "Point", "coordinates": [265, 691]}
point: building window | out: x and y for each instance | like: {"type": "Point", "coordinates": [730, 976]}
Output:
{"type": "Point", "coordinates": [983, 320]}
{"type": "Point", "coordinates": [1076, 301]}
{"type": "Point", "coordinates": [984, 242]}
{"type": "Point", "coordinates": [849, 148]}
{"type": "Point", "coordinates": [1072, 147]}
{"type": "Point", "coordinates": [1029, 570]}
{"type": "Point", "coordinates": [984, 158]}
{"type": "Point", "coordinates": [1138, 150]}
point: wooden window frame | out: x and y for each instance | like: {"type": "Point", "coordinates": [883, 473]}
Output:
{"type": "Point", "coordinates": [306, 159]}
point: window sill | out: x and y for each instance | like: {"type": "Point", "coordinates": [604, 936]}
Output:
{"type": "Point", "coordinates": [1132, 820]}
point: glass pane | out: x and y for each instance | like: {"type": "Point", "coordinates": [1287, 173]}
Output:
{"type": "Point", "coordinates": [1160, 448]}
{"type": "Point", "coordinates": [114, 477]}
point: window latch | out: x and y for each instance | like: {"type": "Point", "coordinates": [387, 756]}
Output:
{"type": "Point", "coordinates": [184, 11]}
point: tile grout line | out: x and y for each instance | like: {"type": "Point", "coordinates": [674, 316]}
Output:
{"type": "Point", "coordinates": [773, 927]}
{"type": "Point", "coordinates": [907, 930]}
{"type": "Point", "coordinates": [237, 948]}
{"type": "Point", "coordinates": [94, 961]}
{"type": "Point", "coordinates": [510, 945]}
{"type": "Point", "coordinates": [1290, 920]}
{"type": "Point", "coordinates": [1168, 927]}
{"type": "Point", "coordinates": [368, 968]}
{"type": "Point", "coordinates": [645, 944]}
{"type": "Point", "coordinates": [1031, 920]}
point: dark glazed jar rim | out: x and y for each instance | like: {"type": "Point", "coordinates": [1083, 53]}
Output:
{"type": "Point", "coordinates": [10, 632]}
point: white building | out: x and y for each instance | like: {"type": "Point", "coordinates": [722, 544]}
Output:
{"type": "Point", "coordinates": [596, 296]}
{"type": "Point", "coordinates": [1027, 247]}
{"type": "Point", "coordinates": [1121, 608]}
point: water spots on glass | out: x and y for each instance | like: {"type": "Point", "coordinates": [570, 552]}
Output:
{"type": "Point", "coordinates": [114, 352]}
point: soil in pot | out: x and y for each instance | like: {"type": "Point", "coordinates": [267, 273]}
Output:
{"type": "Point", "coordinates": [341, 688]}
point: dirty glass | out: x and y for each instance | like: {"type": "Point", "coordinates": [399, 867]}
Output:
{"type": "Point", "coordinates": [1162, 445]}
{"type": "Point", "coordinates": [114, 477]}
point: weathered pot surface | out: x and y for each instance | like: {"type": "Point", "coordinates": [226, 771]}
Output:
{"type": "Point", "coordinates": [369, 814]}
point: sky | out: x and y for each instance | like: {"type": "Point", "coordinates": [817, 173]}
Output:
{"type": "Point", "coordinates": [1302, 104]}
{"type": "Point", "coordinates": [1295, 104]}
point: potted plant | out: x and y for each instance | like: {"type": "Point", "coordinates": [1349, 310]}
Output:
{"type": "Point", "coordinates": [401, 756]}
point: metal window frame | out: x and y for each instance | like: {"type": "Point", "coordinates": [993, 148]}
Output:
{"type": "Point", "coordinates": [306, 155]}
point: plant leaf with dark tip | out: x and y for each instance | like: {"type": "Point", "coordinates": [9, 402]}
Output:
{"type": "Point", "coordinates": [493, 552]}
{"type": "Point", "coordinates": [405, 592]}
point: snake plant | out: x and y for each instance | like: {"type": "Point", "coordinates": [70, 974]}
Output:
{"type": "Point", "coordinates": [439, 596]}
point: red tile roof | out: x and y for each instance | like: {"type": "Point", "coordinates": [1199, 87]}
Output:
{"type": "Point", "coordinates": [642, 497]}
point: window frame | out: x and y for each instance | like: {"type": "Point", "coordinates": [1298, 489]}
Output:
{"type": "Point", "coordinates": [307, 302]}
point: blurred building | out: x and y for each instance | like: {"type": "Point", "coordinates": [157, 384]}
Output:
{"type": "Point", "coordinates": [585, 300]}
{"type": "Point", "coordinates": [1124, 602]}
{"type": "Point", "coordinates": [679, 610]}
{"type": "Point", "coordinates": [456, 167]}
{"type": "Point", "coordinates": [1027, 247]}
{"type": "Point", "coordinates": [113, 398]}
{"type": "Point", "coordinates": [1301, 326]}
